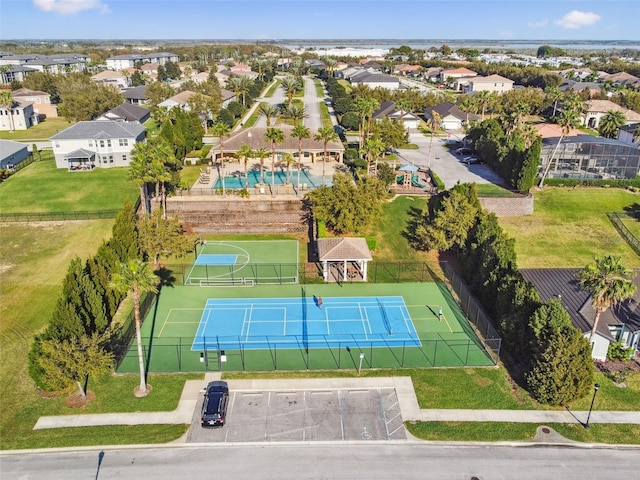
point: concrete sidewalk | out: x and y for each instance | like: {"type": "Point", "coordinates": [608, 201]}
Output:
{"type": "Point", "coordinates": [404, 389]}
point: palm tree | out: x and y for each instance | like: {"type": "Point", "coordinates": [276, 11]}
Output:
{"type": "Point", "coordinates": [275, 136]}
{"type": "Point", "coordinates": [221, 129]}
{"type": "Point", "coordinates": [364, 108]}
{"type": "Point", "coordinates": [288, 160]}
{"type": "Point", "coordinates": [434, 124]}
{"type": "Point", "coordinates": [140, 170]}
{"type": "Point", "coordinates": [609, 283]}
{"type": "Point", "coordinates": [325, 135]}
{"type": "Point", "coordinates": [483, 100]}
{"type": "Point", "coordinates": [268, 111]}
{"type": "Point", "coordinates": [300, 132]}
{"type": "Point", "coordinates": [610, 123]}
{"type": "Point", "coordinates": [295, 113]}
{"type": "Point", "coordinates": [554, 95]}
{"type": "Point", "coordinates": [402, 104]}
{"type": "Point", "coordinates": [136, 276]}
{"type": "Point", "coordinates": [636, 134]}
{"type": "Point", "coordinates": [240, 86]}
{"type": "Point", "coordinates": [568, 119]}
{"type": "Point", "coordinates": [6, 102]}
{"type": "Point", "coordinates": [373, 148]}
{"type": "Point", "coordinates": [290, 85]}
{"type": "Point", "coordinates": [261, 153]}
{"type": "Point", "coordinates": [245, 153]}
{"type": "Point", "coordinates": [465, 103]}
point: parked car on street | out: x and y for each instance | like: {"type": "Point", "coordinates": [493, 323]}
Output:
{"type": "Point", "coordinates": [214, 406]}
{"type": "Point", "coordinates": [464, 151]}
{"type": "Point", "coordinates": [471, 160]}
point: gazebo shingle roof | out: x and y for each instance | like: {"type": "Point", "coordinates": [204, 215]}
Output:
{"type": "Point", "coordinates": [332, 249]}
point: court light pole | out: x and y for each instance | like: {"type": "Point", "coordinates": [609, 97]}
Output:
{"type": "Point", "coordinates": [360, 365]}
{"type": "Point", "coordinates": [596, 387]}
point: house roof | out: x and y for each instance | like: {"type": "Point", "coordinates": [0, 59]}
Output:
{"type": "Point", "coordinates": [491, 79]}
{"type": "Point", "coordinates": [25, 92]}
{"type": "Point", "coordinates": [136, 93]}
{"type": "Point", "coordinates": [331, 249]}
{"type": "Point", "coordinates": [386, 108]}
{"type": "Point", "coordinates": [603, 106]}
{"type": "Point", "coordinates": [107, 75]}
{"type": "Point", "coordinates": [80, 153]}
{"type": "Point", "coordinates": [631, 128]}
{"type": "Point", "coordinates": [100, 129]}
{"type": "Point", "coordinates": [564, 284]}
{"type": "Point", "coordinates": [254, 138]}
{"type": "Point", "coordinates": [129, 112]}
{"type": "Point", "coordinates": [447, 108]}
{"type": "Point", "coordinates": [367, 77]}
{"type": "Point", "coordinates": [9, 147]}
{"type": "Point", "coordinates": [552, 130]}
{"type": "Point", "coordinates": [458, 71]}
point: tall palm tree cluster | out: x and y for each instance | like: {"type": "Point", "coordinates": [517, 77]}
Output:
{"type": "Point", "coordinates": [154, 163]}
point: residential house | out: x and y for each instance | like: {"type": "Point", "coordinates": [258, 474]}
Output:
{"type": "Point", "coordinates": [179, 100]}
{"type": "Point", "coordinates": [449, 74]}
{"type": "Point", "coordinates": [490, 83]}
{"type": "Point", "coordinates": [127, 113]}
{"type": "Point", "coordinates": [594, 88]}
{"type": "Point", "coordinates": [553, 130]}
{"type": "Point", "coordinates": [451, 117]}
{"type": "Point", "coordinates": [12, 153]}
{"type": "Point", "coordinates": [150, 69]}
{"type": "Point", "coordinates": [621, 323]}
{"type": "Point", "coordinates": [630, 134]}
{"type": "Point", "coordinates": [109, 77]}
{"type": "Point", "coordinates": [374, 80]}
{"type": "Point", "coordinates": [227, 96]}
{"type": "Point", "coordinates": [242, 69]}
{"type": "Point", "coordinates": [622, 79]}
{"type": "Point", "coordinates": [41, 101]}
{"type": "Point", "coordinates": [96, 143]}
{"type": "Point", "coordinates": [432, 74]}
{"type": "Point", "coordinates": [596, 109]}
{"type": "Point", "coordinates": [136, 95]}
{"type": "Point", "coordinates": [20, 116]}
{"type": "Point", "coordinates": [388, 110]}
{"type": "Point", "coordinates": [131, 59]}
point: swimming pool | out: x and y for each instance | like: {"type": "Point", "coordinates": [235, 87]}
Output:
{"type": "Point", "coordinates": [238, 180]}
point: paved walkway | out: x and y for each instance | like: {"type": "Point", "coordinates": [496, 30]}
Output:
{"type": "Point", "coordinates": [404, 390]}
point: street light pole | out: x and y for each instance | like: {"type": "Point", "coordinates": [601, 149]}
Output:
{"type": "Point", "coordinates": [596, 387]}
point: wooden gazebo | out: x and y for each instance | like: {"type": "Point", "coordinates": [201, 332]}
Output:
{"type": "Point", "coordinates": [344, 259]}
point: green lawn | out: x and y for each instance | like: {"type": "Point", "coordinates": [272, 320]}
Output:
{"type": "Point", "coordinates": [41, 187]}
{"type": "Point", "coordinates": [503, 431]}
{"type": "Point", "coordinates": [42, 131]}
{"type": "Point", "coordinates": [35, 259]}
{"type": "Point", "coordinates": [272, 89]}
{"type": "Point", "coordinates": [325, 115]}
{"type": "Point", "coordinates": [569, 227]}
{"type": "Point", "coordinates": [319, 89]}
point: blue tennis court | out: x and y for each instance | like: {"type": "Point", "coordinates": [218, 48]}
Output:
{"type": "Point", "coordinates": [216, 259]}
{"type": "Point", "coordinates": [262, 323]}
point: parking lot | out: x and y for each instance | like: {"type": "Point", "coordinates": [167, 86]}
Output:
{"type": "Point", "coordinates": [305, 415]}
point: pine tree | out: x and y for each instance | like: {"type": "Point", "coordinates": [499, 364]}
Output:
{"type": "Point", "coordinates": [563, 372]}
{"type": "Point", "coordinates": [124, 241]}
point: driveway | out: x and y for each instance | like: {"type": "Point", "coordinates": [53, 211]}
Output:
{"type": "Point", "coordinates": [444, 162]}
{"type": "Point", "coordinates": [305, 415]}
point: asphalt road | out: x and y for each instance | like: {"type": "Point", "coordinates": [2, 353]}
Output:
{"type": "Point", "coordinates": [326, 461]}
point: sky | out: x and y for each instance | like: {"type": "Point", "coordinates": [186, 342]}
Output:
{"type": "Point", "coordinates": [320, 19]}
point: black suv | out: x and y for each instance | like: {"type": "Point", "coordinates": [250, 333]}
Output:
{"type": "Point", "coordinates": [214, 407]}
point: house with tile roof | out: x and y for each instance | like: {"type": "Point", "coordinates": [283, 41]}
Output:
{"type": "Point", "coordinates": [96, 143]}
{"type": "Point", "coordinates": [596, 109]}
{"type": "Point", "coordinates": [41, 101]}
{"type": "Point", "coordinates": [109, 77]}
{"type": "Point", "coordinates": [490, 83]}
{"type": "Point", "coordinates": [449, 74]}
{"type": "Point", "coordinates": [620, 323]}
